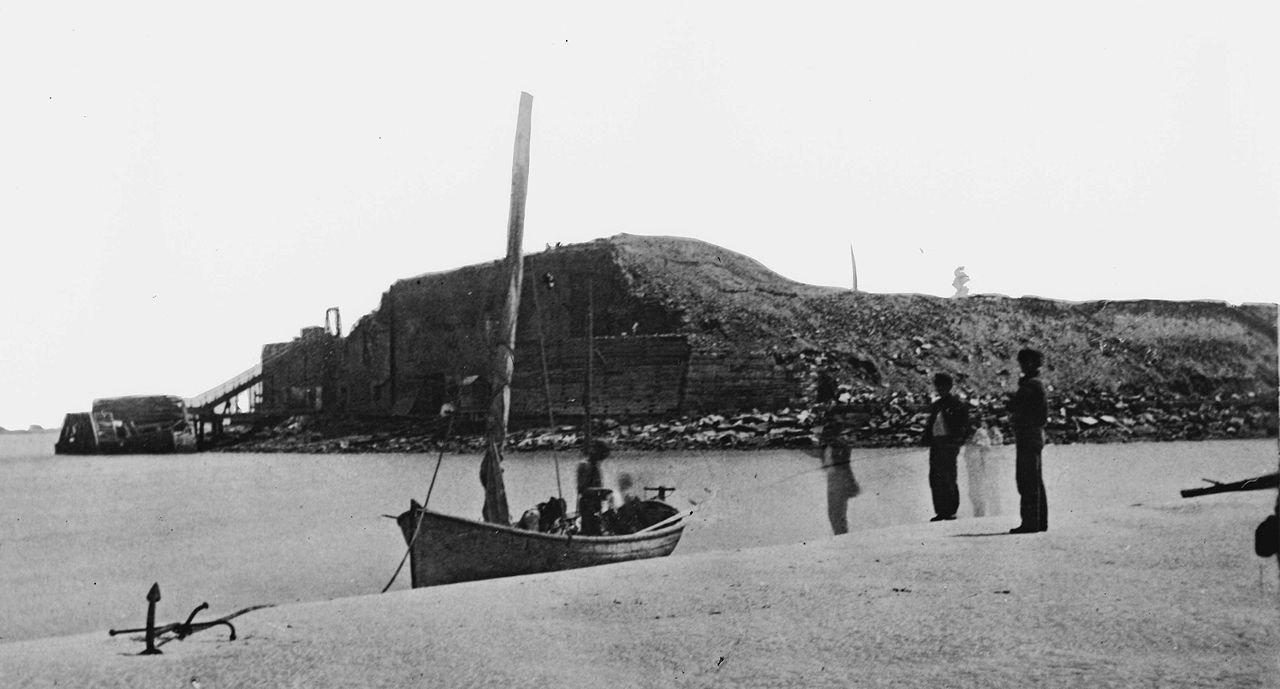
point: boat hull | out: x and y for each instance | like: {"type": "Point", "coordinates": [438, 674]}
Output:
{"type": "Point", "coordinates": [450, 549]}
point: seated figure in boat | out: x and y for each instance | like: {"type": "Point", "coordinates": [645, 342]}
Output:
{"type": "Point", "coordinates": [630, 515]}
{"type": "Point", "coordinates": [545, 517]}
{"type": "Point", "coordinates": [594, 500]}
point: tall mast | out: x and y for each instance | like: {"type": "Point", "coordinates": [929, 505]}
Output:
{"type": "Point", "coordinates": [495, 492]}
{"type": "Point", "coordinates": [591, 352]}
{"type": "Point", "coordinates": [546, 377]}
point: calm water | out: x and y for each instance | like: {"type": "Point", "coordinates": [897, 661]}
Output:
{"type": "Point", "coordinates": [83, 538]}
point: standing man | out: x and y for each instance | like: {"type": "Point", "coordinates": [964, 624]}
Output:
{"type": "Point", "coordinates": [1030, 411]}
{"type": "Point", "coordinates": [592, 495]}
{"type": "Point", "coordinates": [835, 452]}
{"type": "Point", "coordinates": [945, 433]}
{"type": "Point", "coordinates": [841, 486]}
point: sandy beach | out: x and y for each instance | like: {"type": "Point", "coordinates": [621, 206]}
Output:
{"type": "Point", "coordinates": [1165, 594]}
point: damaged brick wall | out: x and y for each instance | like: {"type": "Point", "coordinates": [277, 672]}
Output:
{"type": "Point", "coordinates": [301, 375]}
{"type": "Point", "coordinates": [725, 379]}
{"type": "Point", "coordinates": [433, 331]}
{"type": "Point", "coordinates": [633, 376]}
{"type": "Point", "coordinates": [365, 378]}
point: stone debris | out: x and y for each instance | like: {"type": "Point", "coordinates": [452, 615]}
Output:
{"type": "Point", "coordinates": [895, 420]}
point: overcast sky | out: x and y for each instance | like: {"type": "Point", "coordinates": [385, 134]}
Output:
{"type": "Point", "coordinates": [183, 182]}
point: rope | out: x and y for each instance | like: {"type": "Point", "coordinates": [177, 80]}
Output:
{"type": "Point", "coordinates": [824, 467]}
{"type": "Point", "coordinates": [772, 484]}
{"type": "Point", "coordinates": [417, 528]}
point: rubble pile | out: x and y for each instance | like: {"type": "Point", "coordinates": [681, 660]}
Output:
{"type": "Point", "coordinates": [894, 420]}
{"type": "Point", "coordinates": [1104, 417]}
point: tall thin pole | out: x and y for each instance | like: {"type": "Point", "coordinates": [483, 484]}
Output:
{"type": "Point", "coordinates": [495, 492]}
{"type": "Point", "coordinates": [546, 377]}
{"type": "Point", "coordinates": [591, 351]}
{"type": "Point", "coordinates": [542, 351]}
{"type": "Point", "coordinates": [391, 348]}
{"type": "Point", "coordinates": [853, 262]}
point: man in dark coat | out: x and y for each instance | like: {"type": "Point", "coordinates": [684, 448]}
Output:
{"type": "Point", "coordinates": [592, 495]}
{"type": "Point", "coordinates": [1030, 410]}
{"type": "Point", "coordinates": [946, 432]}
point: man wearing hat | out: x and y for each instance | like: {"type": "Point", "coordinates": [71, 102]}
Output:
{"type": "Point", "coordinates": [945, 433]}
{"type": "Point", "coordinates": [1030, 410]}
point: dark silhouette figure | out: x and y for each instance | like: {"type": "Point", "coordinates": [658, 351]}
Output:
{"type": "Point", "coordinates": [828, 388]}
{"type": "Point", "coordinates": [945, 433]}
{"type": "Point", "coordinates": [841, 486]}
{"type": "Point", "coordinates": [1266, 538]}
{"type": "Point", "coordinates": [833, 450]}
{"type": "Point", "coordinates": [592, 495]}
{"type": "Point", "coordinates": [1030, 410]}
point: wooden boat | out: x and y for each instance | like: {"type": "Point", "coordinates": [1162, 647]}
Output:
{"type": "Point", "coordinates": [449, 549]}
{"type": "Point", "coordinates": [444, 549]}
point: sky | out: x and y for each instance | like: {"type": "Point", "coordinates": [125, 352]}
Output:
{"type": "Point", "coordinates": [181, 183]}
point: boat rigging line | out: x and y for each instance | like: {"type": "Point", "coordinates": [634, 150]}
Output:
{"type": "Point", "coordinates": [550, 282]}
{"type": "Point", "coordinates": [417, 527]}
{"type": "Point", "coordinates": [685, 514]}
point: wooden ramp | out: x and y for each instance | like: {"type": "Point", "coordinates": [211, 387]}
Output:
{"type": "Point", "coordinates": [223, 393]}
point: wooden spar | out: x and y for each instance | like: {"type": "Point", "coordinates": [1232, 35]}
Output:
{"type": "Point", "coordinates": [591, 347]}
{"type": "Point", "coordinates": [390, 306]}
{"type": "Point", "coordinates": [546, 378]}
{"type": "Point", "coordinates": [495, 493]}
{"type": "Point", "coordinates": [1257, 483]}
{"type": "Point", "coordinates": [542, 354]}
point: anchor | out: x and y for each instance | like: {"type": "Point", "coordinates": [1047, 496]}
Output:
{"type": "Point", "coordinates": [180, 630]}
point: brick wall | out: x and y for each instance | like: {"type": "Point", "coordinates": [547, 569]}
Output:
{"type": "Point", "coordinates": [728, 379]}
{"type": "Point", "coordinates": [301, 375]}
{"type": "Point", "coordinates": [633, 376]}
{"type": "Point", "coordinates": [432, 331]}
